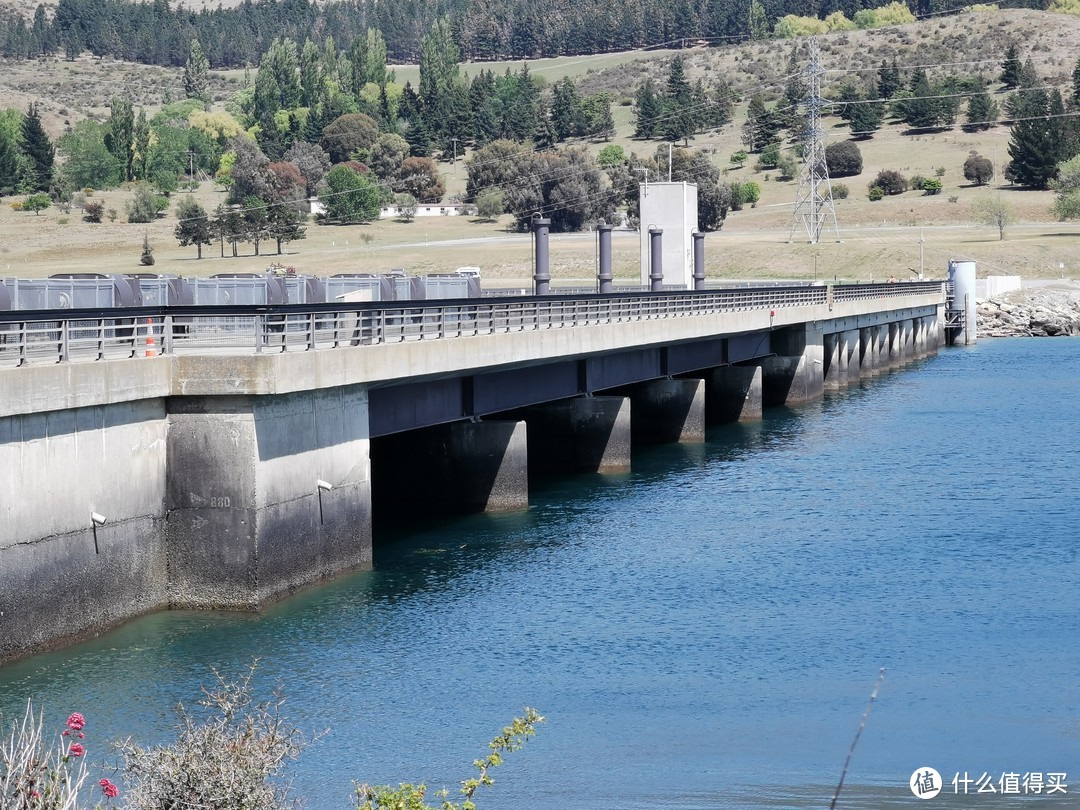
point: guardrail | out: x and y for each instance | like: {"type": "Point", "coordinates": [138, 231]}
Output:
{"type": "Point", "coordinates": [50, 336]}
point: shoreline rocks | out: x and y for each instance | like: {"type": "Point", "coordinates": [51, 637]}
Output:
{"type": "Point", "coordinates": [1046, 311]}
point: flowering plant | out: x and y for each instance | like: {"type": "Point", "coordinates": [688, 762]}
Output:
{"type": "Point", "coordinates": [36, 775]}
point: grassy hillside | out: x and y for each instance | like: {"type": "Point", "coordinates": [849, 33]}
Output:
{"type": "Point", "coordinates": [878, 239]}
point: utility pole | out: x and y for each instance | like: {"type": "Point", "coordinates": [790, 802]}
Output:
{"type": "Point", "coordinates": [669, 162]}
{"type": "Point", "coordinates": [813, 201]}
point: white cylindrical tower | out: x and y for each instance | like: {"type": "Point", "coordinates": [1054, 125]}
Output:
{"type": "Point", "coordinates": [962, 277]}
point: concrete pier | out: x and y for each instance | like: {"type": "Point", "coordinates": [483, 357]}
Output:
{"type": "Point", "coordinates": [868, 343]}
{"type": "Point", "coordinates": [668, 410]}
{"type": "Point", "coordinates": [733, 394]}
{"type": "Point", "coordinates": [835, 361]}
{"type": "Point", "coordinates": [796, 374]}
{"type": "Point", "coordinates": [456, 468]}
{"type": "Point", "coordinates": [55, 564]}
{"type": "Point", "coordinates": [585, 434]}
{"type": "Point", "coordinates": [248, 520]}
{"type": "Point", "coordinates": [851, 355]}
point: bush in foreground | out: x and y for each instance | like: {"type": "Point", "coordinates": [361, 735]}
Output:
{"type": "Point", "coordinates": [231, 753]}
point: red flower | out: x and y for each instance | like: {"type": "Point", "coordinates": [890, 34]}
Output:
{"type": "Point", "coordinates": [109, 789]}
{"type": "Point", "coordinates": [76, 721]}
{"type": "Point", "coordinates": [76, 750]}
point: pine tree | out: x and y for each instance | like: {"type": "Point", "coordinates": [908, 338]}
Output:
{"type": "Point", "coordinates": [888, 79]}
{"type": "Point", "coordinates": [759, 22]}
{"type": "Point", "coordinates": [1075, 100]}
{"type": "Point", "coordinates": [197, 74]}
{"type": "Point", "coordinates": [647, 109]}
{"type": "Point", "coordinates": [1028, 75]}
{"type": "Point", "coordinates": [795, 91]}
{"type": "Point", "coordinates": [1036, 144]}
{"type": "Point", "coordinates": [566, 110]}
{"type": "Point", "coordinates": [310, 77]}
{"type": "Point", "coordinates": [439, 76]}
{"type": "Point", "coordinates": [982, 112]}
{"type": "Point", "coordinates": [723, 106]}
{"type": "Point", "coordinates": [1011, 68]}
{"type": "Point", "coordinates": [921, 111]}
{"type": "Point", "coordinates": [39, 149]}
{"type": "Point", "coordinates": [865, 118]}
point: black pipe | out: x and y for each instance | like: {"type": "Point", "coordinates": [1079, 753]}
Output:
{"type": "Point", "coordinates": [542, 275]}
{"type": "Point", "coordinates": [605, 278]}
{"type": "Point", "coordinates": [656, 259]}
{"type": "Point", "coordinates": [699, 260]}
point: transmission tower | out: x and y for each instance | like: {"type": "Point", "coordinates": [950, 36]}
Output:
{"type": "Point", "coordinates": [813, 201]}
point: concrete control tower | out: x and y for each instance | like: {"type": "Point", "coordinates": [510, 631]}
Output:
{"type": "Point", "coordinates": [672, 207]}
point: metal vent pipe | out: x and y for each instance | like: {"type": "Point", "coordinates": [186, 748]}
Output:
{"type": "Point", "coordinates": [604, 277]}
{"type": "Point", "coordinates": [699, 260]}
{"type": "Point", "coordinates": [656, 259]}
{"type": "Point", "coordinates": [542, 272]}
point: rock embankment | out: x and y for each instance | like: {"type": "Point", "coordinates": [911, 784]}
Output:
{"type": "Point", "coordinates": [1045, 311]}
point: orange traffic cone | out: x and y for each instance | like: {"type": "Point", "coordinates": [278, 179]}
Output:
{"type": "Point", "coordinates": [151, 349]}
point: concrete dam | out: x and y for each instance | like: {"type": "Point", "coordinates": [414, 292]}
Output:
{"type": "Point", "coordinates": [226, 456]}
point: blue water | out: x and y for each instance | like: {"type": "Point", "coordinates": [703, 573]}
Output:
{"type": "Point", "coordinates": [703, 632]}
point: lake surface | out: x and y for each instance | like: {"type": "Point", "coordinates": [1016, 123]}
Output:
{"type": "Point", "coordinates": [703, 632]}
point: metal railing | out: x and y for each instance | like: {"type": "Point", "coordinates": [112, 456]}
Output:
{"type": "Point", "coordinates": [49, 336]}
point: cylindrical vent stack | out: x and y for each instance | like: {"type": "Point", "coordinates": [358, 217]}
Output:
{"type": "Point", "coordinates": [962, 276]}
{"type": "Point", "coordinates": [699, 260]}
{"type": "Point", "coordinates": [605, 277]}
{"type": "Point", "coordinates": [656, 259]}
{"type": "Point", "coordinates": [542, 275]}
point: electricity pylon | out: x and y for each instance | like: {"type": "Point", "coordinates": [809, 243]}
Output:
{"type": "Point", "coordinates": [813, 201]}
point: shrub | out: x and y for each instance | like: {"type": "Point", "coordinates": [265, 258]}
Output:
{"type": "Point", "coordinates": [916, 181]}
{"type": "Point", "coordinates": [770, 157]}
{"type": "Point", "coordinates": [843, 159]}
{"type": "Point", "coordinates": [736, 196]}
{"type": "Point", "coordinates": [978, 169]}
{"type": "Point", "coordinates": [788, 166]}
{"type": "Point", "coordinates": [406, 204]}
{"type": "Point", "coordinates": [94, 211]}
{"type": "Point", "coordinates": [931, 186]}
{"type": "Point", "coordinates": [876, 193]}
{"type": "Point", "coordinates": [939, 171]}
{"type": "Point", "coordinates": [228, 758]}
{"type": "Point", "coordinates": [955, 198]}
{"type": "Point", "coordinates": [88, 192]}
{"type": "Point", "coordinates": [143, 206]}
{"type": "Point", "coordinates": [36, 203]}
{"type": "Point", "coordinates": [890, 182]}
{"type": "Point", "coordinates": [840, 191]}
{"type": "Point", "coordinates": [111, 213]}
{"type": "Point", "coordinates": [738, 158]}
{"type": "Point", "coordinates": [751, 192]}
{"type": "Point", "coordinates": [490, 203]}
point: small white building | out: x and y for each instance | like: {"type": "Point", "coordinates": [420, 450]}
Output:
{"type": "Point", "coordinates": [430, 210]}
{"type": "Point", "coordinates": [674, 208]}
